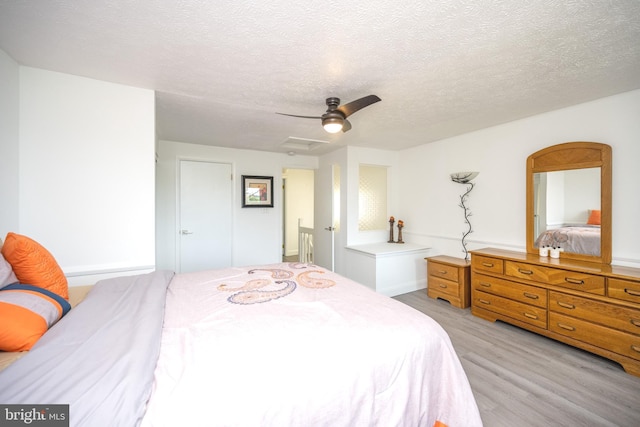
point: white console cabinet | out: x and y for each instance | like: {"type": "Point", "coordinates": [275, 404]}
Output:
{"type": "Point", "coordinates": [388, 268]}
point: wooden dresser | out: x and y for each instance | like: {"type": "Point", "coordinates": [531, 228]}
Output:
{"type": "Point", "coordinates": [448, 278]}
{"type": "Point", "coordinates": [595, 307]}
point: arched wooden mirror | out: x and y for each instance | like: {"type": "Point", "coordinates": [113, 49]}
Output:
{"type": "Point", "coordinates": [569, 200]}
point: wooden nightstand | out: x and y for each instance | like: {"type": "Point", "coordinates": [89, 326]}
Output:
{"type": "Point", "coordinates": [449, 278]}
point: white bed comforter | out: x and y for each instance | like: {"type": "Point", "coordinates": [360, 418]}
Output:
{"type": "Point", "coordinates": [297, 345]}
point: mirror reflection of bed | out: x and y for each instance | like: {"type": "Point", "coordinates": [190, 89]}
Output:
{"type": "Point", "coordinates": [567, 210]}
{"type": "Point", "coordinates": [576, 238]}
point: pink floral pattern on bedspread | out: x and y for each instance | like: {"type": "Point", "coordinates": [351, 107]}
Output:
{"type": "Point", "coordinates": [252, 291]}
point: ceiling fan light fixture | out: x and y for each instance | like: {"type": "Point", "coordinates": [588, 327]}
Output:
{"type": "Point", "coordinates": [332, 124]}
{"type": "Point", "coordinates": [335, 119]}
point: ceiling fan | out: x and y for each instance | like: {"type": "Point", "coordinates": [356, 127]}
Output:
{"type": "Point", "coordinates": [335, 119]}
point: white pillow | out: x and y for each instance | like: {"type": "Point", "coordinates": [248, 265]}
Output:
{"type": "Point", "coordinates": [7, 275]}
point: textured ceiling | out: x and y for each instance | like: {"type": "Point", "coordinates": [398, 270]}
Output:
{"type": "Point", "coordinates": [221, 70]}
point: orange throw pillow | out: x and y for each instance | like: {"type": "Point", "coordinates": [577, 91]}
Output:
{"type": "Point", "coordinates": [594, 218]}
{"type": "Point", "coordinates": [34, 265]}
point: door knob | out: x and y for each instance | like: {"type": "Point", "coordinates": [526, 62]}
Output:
{"type": "Point", "coordinates": [186, 232]}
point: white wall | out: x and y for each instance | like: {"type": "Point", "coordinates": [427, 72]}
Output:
{"type": "Point", "coordinates": [86, 172]}
{"type": "Point", "coordinates": [257, 232]}
{"type": "Point", "coordinates": [357, 156]}
{"type": "Point", "coordinates": [429, 200]}
{"type": "Point", "coordinates": [9, 144]}
{"type": "Point", "coordinates": [579, 203]}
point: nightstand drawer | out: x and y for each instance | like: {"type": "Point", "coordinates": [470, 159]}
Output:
{"type": "Point", "coordinates": [445, 286]}
{"type": "Point", "coordinates": [444, 271]}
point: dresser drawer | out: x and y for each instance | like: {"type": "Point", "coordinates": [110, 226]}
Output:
{"type": "Point", "coordinates": [530, 314]}
{"type": "Point", "coordinates": [612, 315]}
{"type": "Point", "coordinates": [600, 336]}
{"type": "Point", "coordinates": [512, 290]}
{"type": "Point", "coordinates": [554, 276]}
{"type": "Point", "coordinates": [444, 271]}
{"type": "Point", "coordinates": [448, 287]}
{"type": "Point", "coordinates": [488, 264]}
{"type": "Point", "coordinates": [624, 290]}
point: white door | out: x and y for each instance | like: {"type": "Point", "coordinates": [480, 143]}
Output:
{"type": "Point", "coordinates": [205, 209]}
{"type": "Point", "coordinates": [326, 215]}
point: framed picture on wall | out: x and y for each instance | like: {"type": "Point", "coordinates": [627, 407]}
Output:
{"type": "Point", "coordinates": [257, 191]}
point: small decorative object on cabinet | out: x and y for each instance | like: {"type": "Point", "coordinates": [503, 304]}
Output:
{"type": "Point", "coordinates": [400, 226]}
{"type": "Point", "coordinates": [448, 278]}
{"type": "Point", "coordinates": [595, 307]}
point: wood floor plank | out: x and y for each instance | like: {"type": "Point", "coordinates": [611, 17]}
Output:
{"type": "Point", "coordinates": [523, 379]}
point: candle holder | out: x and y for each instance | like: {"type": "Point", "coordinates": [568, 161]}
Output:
{"type": "Point", "coordinates": [391, 221]}
{"type": "Point", "coordinates": [400, 225]}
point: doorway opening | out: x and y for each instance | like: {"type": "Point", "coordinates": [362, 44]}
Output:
{"type": "Point", "coordinates": [298, 207]}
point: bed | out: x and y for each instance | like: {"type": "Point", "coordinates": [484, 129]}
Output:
{"type": "Point", "coordinates": [580, 239]}
{"type": "Point", "coordinates": [287, 344]}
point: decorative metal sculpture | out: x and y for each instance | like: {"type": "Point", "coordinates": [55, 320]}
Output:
{"type": "Point", "coordinates": [465, 178]}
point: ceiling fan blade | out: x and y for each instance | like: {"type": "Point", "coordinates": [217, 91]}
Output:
{"type": "Point", "coordinates": [358, 104]}
{"type": "Point", "coordinates": [346, 125]}
{"type": "Point", "coordinates": [302, 117]}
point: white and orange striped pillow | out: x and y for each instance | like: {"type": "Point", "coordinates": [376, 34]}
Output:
{"type": "Point", "coordinates": [26, 313]}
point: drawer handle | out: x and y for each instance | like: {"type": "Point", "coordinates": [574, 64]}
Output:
{"type": "Point", "coordinates": [566, 305]}
{"type": "Point", "coordinates": [635, 348]}
{"type": "Point", "coordinates": [530, 316]}
{"type": "Point", "coordinates": [487, 264]}
{"type": "Point", "coordinates": [443, 286]}
{"type": "Point", "coordinates": [632, 292]}
{"type": "Point", "coordinates": [527, 272]}
{"type": "Point", "coordinates": [531, 296]}
{"type": "Point", "coordinates": [574, 281]}
{"type": "Point", "coordinates": [443, 271]}
{"type": "Point", "coordinates": [567, 327]}
{"type": "Point", "coordinates": [484, 301]}
{"type": "Point", "coordinates": [635, 322]}
{"type": "Point", "coordinates": [485, 284]}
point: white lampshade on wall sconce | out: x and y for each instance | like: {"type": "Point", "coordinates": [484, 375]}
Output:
{"type": "Point", "coordinates": [465, 178]}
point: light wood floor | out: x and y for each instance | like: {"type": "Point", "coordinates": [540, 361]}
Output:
{"type": "Point", "coordinates": [523, 379]}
